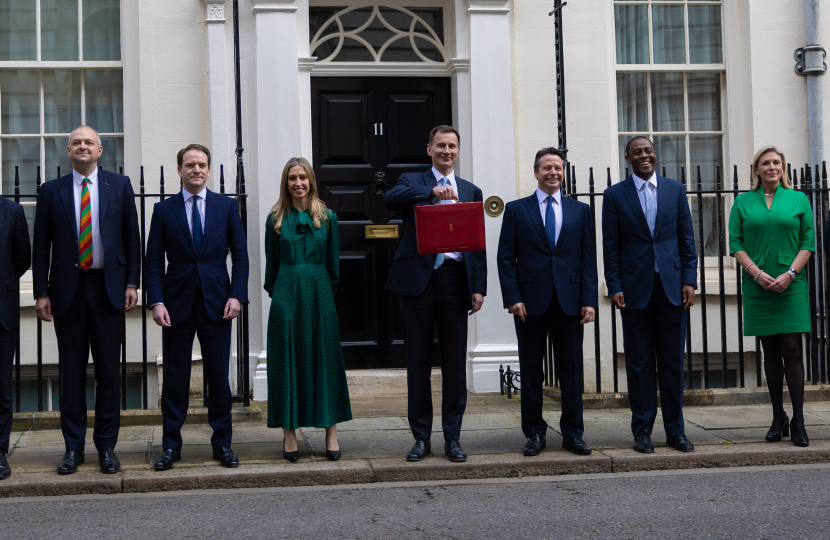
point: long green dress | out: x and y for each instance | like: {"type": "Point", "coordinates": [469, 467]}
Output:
{"type": "Point", "coordinates": [306, 375]}
{"type": "Point", "coordinates": [772, 238]}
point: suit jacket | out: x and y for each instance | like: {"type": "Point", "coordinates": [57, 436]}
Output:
{"type": "Point", "coordinates": [410, 272]}
{"type": "Point", "coordinates": [530, 271]}
{"type": "Point", "coordinates": [15, 259]}
{"type": "Point", "coordinates": [629, 250]}
{"type": "Point", "coordinates": [57, 231]}
{"type": "Point", "coordinates": [186, 269]}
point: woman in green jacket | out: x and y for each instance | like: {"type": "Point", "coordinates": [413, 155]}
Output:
{"type": "Point", "coordinates": [306, 375]}
{"type": "Point", "coordinates": [771, 235]}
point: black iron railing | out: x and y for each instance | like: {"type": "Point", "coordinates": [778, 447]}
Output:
{"type": "Point", "coordinates": [812, 181]}
{"type": "Point", "coordinates": [242, 341]}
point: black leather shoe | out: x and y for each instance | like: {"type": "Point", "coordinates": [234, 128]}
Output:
{"type": "Point", "coordinates": [167, 458]}
{"type": "Point", "coordinates": [333, 455]}
{"type": "Point", "coordinates": [577, 446]}
{"type": "Point", "coordinates": [5, 470]}
{"type": "Point", "coordinates": [454, 451]}
{"type": "Point", "coordinates": [109, 461]}
{"type": "Point", "coordinates": [226, 457]}
{"type": "Point", "coordinates": [774, 435]}
{"type": "Point", "coordinates": [642, 443]}
{"type": "Point", "coordinates": [535, 444]}
{"type": "Point", "coordinates": [69, 463]}
{"type": "Point", "coordinates": [422, 449]}
{"type": "Point", "coordinates": [680, 443]}
{"type": "Point", "coordinates": [803, 442]}
{"type": "Point", "coordinates": [290, 456]}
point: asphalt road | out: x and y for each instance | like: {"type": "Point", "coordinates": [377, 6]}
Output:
{"type": "Point", "coordinates": [776, 502]}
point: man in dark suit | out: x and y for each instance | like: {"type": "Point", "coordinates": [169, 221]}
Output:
{"type": "Point", "coordinates": [651, 274]}
{"type": "Point", "coordinates": [195, 229]}
{"type": "Point", "coordinates": [443, 288]}
{"type": "Point", "coordinates": [15, 258]}
{"type": "Point", "coordinates": [88, 223]}
{"type": "Point", "coordinates": [548, 274]}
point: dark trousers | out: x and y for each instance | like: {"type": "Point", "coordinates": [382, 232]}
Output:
{"type": "Point", "coordinates": [566, 338]}
{"type": "Point", "coordinates": [654, 338]}
{"type": "Point", "coordinates": [177, 348]}
{"type": "Point", "coordinates": [444, 301]}
{"type": "Point", "coordinates": [8, 339]}
{"type": "Point", "coordinates": [91, 322]}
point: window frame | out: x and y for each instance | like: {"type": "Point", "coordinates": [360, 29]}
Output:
{"type": "Point", "coordinates": [685, 70]}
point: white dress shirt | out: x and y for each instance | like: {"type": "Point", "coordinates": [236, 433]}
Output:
{"type": "Point", "coordinates": [455, 255]}
{"type": "Point", "coordinates": [78, 188]}
{"type": "Point", "coordinates": [650, 184]}
{"type": "Point", "coordinates": [188, 207]}
{"type": "Point", "coordinates": [557, 208]}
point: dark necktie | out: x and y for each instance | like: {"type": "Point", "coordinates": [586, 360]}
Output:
{"type": "Point", "coordinates": [197, 225]}
{"type": "Point", "coordinates": [550, 222]}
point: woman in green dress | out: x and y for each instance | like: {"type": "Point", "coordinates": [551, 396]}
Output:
{"type": "Point", "coordinates": [771, 235]}
{"type": "Point", "coordinates": [306, 375]}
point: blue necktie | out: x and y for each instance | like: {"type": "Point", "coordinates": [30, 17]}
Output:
{"type": "Point", "coordinates": [198, 234]}
{"type": "Point", "coordinates": [550, 222]}
{"type": "Point", "coordinates": [439, 259]}
{"type": "Point", "coordinates": [651, 211]}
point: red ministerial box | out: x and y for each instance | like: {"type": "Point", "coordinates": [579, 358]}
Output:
{"type": "Point", "coordinates": [444, 228]}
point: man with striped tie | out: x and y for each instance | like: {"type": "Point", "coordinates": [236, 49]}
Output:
{"type": "Point", "coordinates": [442, 289]}
{"type": "Point", "coordinates": [87, 221]}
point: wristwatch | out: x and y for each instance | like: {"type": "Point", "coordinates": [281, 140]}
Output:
{"type": "Point", "coordinates": [793, 274]}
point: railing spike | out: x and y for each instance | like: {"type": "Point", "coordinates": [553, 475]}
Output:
{"type": "Point", "coordinates": [609, 176]}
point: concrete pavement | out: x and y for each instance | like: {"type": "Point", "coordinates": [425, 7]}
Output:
{"type": "Point", "coordinates": [373, 445]}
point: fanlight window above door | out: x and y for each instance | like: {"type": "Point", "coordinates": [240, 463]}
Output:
{"type": "Point", "coordinates": [377, 34]}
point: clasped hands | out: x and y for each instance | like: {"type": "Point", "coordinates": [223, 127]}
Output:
{"type": "Point", "coordinates": [518, 309]}
{"type": "Point", "coordinates": [778, 284]}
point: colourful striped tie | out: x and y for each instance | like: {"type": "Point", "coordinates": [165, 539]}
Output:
{"type": "Point", "coordinates": [85, 236]}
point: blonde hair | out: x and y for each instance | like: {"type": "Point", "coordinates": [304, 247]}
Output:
{"type": "Point", "coordinates": [316, 208]}
{"type": "Point", "coordinates": [756, 180]}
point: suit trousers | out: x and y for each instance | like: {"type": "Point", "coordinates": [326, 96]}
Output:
{"type": "Point", "coordinates": [90, 323]}
{"type": "Point", "coordinates": [177, 347]}
{"type": "Point", "coordinates": [566, 340]}
{"type": "Point", "coordinates": [8, 340]}
{"type": "Point", "coordinates": [444, 301]}
{"type": "Point", "coordinates": [654, 338]}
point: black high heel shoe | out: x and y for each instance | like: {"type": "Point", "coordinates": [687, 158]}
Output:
{"type": "Point", "coordinates": [290, 456]}
{"type": "Point", "coordinates": [333, 455]}
{"type": "Point", "coordinates": [799, 441]}
{"type": "Point", "coordinates": [775, 436]}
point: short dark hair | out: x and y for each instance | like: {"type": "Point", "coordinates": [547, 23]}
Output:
{"type": "Point", "coordinates": [443, 128]}
{"type": "Point", "coordinates": [631, 140]}
{"type": "Point", "coordinates": [190, 147]}
{"type": "Point", "coordinates": [548, 151]}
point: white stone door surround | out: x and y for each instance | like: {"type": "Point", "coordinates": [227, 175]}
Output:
{"type": "Point", "coordinates": [478, 38]}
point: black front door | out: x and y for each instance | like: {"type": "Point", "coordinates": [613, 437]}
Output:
{"type": "Point", "coordinates": [366, 132]}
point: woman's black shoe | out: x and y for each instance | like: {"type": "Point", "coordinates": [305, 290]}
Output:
{"type": "Point", "coordinates": [803, 442]}
{"type": "Point", "coordinates": [290, 456]}
{"type": "Point", "coordinates": [775, 435]}
{"type": "Point", "coordinates": [333, 455]}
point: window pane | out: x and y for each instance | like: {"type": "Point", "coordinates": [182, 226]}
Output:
{"type": "Point", "coordinates": [707, 152]}
{"type": "Point", "coordinates": [705, 40]}
{"type": "Point", "coordinates": [56, 156]}
{"type": "Point", "coordinates": [61, 101]}
{"type": "Point", "coordinates": [625, 168]}
{"type": "Point", "coordinates": [632, 34]}
{"type": "Point", "coordinates": [671, 155]}
{"type": "Point", "coordinates": [667, 101]}
{"type": "Point", "coordinates": [19, 102]}
{"type": "Point", "coordinates": [102, 29]}
{"type": "Point", "coordinates": [704, 101]}
{"type": "Point", "coordinates": [59, 29]}
{"type": "Point", "coordinates": [710, 226]}
{"type": "Point", "coordinates": [669, 35]}
{"type": "Point", "coordinates": [104, 100]}
{"type": "Point", "coordinates": [17, 30]}
{"type": "Point", "coordinates": [632, 109]}
{"type": "Point", "coordinates": [113, 156]}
